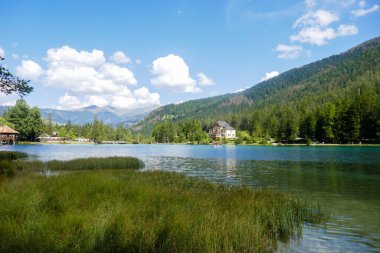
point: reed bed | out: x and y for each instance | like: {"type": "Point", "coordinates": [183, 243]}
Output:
{"type": "Point", "coordinates": [12, 155]}
{"type": "Point", "coordinates": [131, 211]}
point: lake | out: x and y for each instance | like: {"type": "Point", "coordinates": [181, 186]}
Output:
{"type": "Point", "coordinates": [343, 178]}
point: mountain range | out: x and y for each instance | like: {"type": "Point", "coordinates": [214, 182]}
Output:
{"type": "Point", "coordinates": [108, 114]}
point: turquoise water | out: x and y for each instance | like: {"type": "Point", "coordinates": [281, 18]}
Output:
{"type": "Point", "coordinates": [344, 179]}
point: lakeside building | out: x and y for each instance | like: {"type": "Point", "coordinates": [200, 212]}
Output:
{"type": "Point", "coordinates": [8, 135]}
{"type": "Point", "coordinates": [222, 129]}
{"type": "Point", "coordinates": [47, 138]}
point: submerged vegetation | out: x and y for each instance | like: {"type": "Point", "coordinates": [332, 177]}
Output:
{"type": "Point", "coordinates": [126, 210]}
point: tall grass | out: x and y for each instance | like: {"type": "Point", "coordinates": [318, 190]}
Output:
{"type": "Point", "coordinates": [93, 163]}
{"type": "Point", "coordinates": [12, 155]}
{"type": "Point", "coordinates": [131, 211]}
{"type": "Point", "coordinates": [96, 163]}
{"type": "Point", "coordinates": [7, 166]}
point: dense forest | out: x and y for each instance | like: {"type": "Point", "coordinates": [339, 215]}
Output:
{"type": "Point", "coordinates": [334, 100]}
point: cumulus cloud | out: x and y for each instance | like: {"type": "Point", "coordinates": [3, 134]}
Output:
{"type": "Point", "coordinates": [29, 70]}
{"type": "Point", "coordinates": [321, 18]}
{"type": "Point", "coordinates": [204, 80]}
{"type": "Point", "coordinates": [144, 97]}
{"type": "Point", "coordinates": [288, 51]}
{"type": "Point", "coordinates": [362, 11]}
{"type": "Point", "coordinates": [96, 100]}
{"type": "Point", "coordinates": [320, 36]}
{"type": "Point", "coordinates": [346, 30]}
{"type": "Point", "coordinates": [314, 35]}
{"type": "Point", "coordinates": [172, 72]}
{"type": "Point", "coordinates": [269, 75]}
{"type": "Point", "coordinates": [120, 57]}
{"type": "Point", "coordinates": [2, 52]}
{"type": "Point", "coordinates": [89, 79]}
{"type": "Point", "coordinates": [71, 57]}
{"type": "Point", "coordinates": [69, 102]}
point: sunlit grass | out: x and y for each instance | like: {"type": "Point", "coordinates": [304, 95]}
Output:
{"type": "Point", "coordinates": [132, 211]}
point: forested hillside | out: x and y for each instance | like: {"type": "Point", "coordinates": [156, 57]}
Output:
{"type": "Point", "coordinates": [333, 100]}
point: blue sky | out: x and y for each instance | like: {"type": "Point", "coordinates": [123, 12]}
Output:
{"type": "Point", "coordinates": [131, 54]}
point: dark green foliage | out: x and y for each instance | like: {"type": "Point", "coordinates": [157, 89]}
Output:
{"type": "Point", "coordinates": [7, 166]}
{"type": "Point", "coordinates": [27, 121]}
{"type": "Point", "coordinates": [96, 163]}
{"type": "Point", "coordinates": [12, 155]}
{"type": "Point", "coordinates": [10, 83]}
{"type": "Point", "coordinates": [332, 100]}
{"type": "Point", "coordinates": [183, 131]}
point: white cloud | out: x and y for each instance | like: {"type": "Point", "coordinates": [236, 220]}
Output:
{"type": "Point", "coordinates": [269, 75]}
{"type": "Point", "coordinates": [144, 97]}
{"type": "Point", "coordinates": [89, 79]}
{"type": "Point", "coordinates": [320, 36]}
{"type": "Point", "coordinates": [117, 74]}
{"type": "Point", "coordinates": [2, 52]}
{"type": "Point", "coordinates": [96, 100]}
{"type": "Point", "coordinates": [138, 61]}
{"type": "Point", "coordinates": [314, 35]}
{"type": "Point", "coordinates": [68, 56]}
{"type": "Point", "coordinates": [204, 80]}
{"type": "Point", "coordinates": [86, 72]}
{"type": "Point", "coordinates": [320, 18]}
{"type": "Point", "coordinates": [288, 51]}
{"type": "Point", "coordinates": [29, 70]}
{"type": "Point", "coordinates": [346, 30]}
{"type": "Point", "coordinates": [172, 72]}
{"type": "Point", "coordinates": [69, 102]}
{"type": "Point", "coordinates": [120, 57]}
{"type": "Point", "coordinates": [362, 11]}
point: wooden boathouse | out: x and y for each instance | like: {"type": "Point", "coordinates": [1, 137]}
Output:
{"type": "Point", "coordinates": [8, 136]}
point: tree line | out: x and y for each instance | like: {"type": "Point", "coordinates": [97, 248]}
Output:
{"type": "Point", "coordinates": [29, 123]}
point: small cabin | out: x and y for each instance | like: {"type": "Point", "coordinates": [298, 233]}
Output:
{"type": "Point", "coordinates": [8, 136]}
{"type": "Point", "coordinates": [222, 129]}
{"type": "Point", "coordinates": [47, 138]}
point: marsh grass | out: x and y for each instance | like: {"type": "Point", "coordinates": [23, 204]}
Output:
{"type": "Point", "coordinates": [7, 167]}
{"type": "Point", "coordinates": [12, 155]}
{"type": "Point", "coordinates": [132, 211]}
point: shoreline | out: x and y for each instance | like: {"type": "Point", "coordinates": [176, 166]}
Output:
{"type": "Point", "coordinates": [228, 144]}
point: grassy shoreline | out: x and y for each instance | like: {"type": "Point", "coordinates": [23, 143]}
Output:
{"type": "Point", "coordinates": [117, 208]}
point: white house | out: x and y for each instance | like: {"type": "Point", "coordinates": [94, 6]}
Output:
{"type": "Point", "coordinates": [222, 129]}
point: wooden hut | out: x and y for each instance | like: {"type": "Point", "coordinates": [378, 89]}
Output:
{"type": "Point", "coordinates": [8, 135]}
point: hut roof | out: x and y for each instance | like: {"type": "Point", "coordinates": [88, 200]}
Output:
{"type": "Point", "coordinates": [225, 125]}
{"type": "Point", "coordinates": [7, 130]}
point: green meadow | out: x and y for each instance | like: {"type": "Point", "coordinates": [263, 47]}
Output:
{"type": "Point", "coordinates": [108, 205]}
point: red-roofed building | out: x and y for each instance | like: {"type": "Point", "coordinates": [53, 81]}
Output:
{"type": "Point", "coordinates": [8, 135]}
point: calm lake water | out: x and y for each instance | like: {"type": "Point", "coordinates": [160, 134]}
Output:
{"type": "Point", "coordinates": [344, 179]}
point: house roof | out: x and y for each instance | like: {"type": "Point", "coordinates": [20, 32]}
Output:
{"type": "Point", "coordinates": [225, 125]}
{"type": "Point", "coordinates": [7, 130]}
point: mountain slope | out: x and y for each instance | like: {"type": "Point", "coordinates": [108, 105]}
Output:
{"type": "Point", "coordinates": [298, 90]}
{"type": "Point", "coordinates": [109, 115]}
